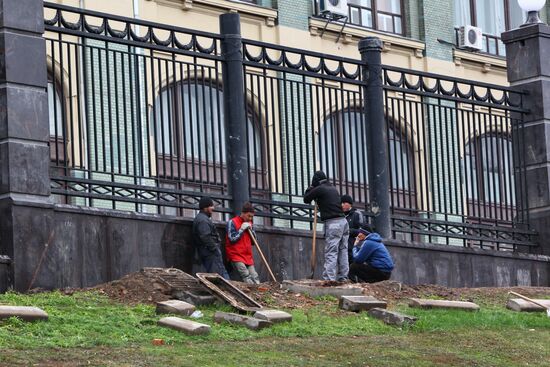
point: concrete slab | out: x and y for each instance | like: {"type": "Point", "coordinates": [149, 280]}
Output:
{"type": "Point", "coordinates": [521, 305]}
{"type": "Point", "coordinates": [194, 298]}
{"type": "Point", "coordinates": [273, 316]}
{"type": "Point", "coordinates": [23, 312]}
{"type": "Point", "coordinates": [316, 290]}
{"type": "Point", "coordinates": [360, 303]}
{"type": "Point", "coordinates": [392, 317]}
{"type": "Point", "coordinates": [187, 326]}
{"type": "Point", "coordinates": [176, 307]}
{"type": "Point", "coordinates": [250, 322]}
{"type": "Point", "coordinates": [436, 303]}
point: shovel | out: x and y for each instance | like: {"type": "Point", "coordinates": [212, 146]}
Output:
{"type": "Point", "coordinates": [261, 254]}
{"type": "Point", "coordinates": [313, 248]}
{"type": "Point", "coordinates": [532, 301]}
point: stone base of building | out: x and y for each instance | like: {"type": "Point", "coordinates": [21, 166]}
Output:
{"type": "Point", "coordinates": [59, 246]}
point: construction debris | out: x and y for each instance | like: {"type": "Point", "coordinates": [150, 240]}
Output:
{"type": "Point", "coordinates": [433, 303]}
{"type": "Point", "coordinates": [250, 322]}
{"type": "Point", "coordinates": [176, 307]}
{"type": "Point", "coordinates": [391, 317]}
{"type": "Point", "coordinates": [317, 288]}
{"type": "Point", "coordinates": [227, 291]}
{"type": "Point", "coordinates": [273, 316]}
{"type": "Point", "coordinates": [360, 303]}
{"type": "Point", "coordinates": [187, 326]}
{"type": "Point", "coordinates": [23, 312]}
{"type": "Point", "coordinates": [520, 305]}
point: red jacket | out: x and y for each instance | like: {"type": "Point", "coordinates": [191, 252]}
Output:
{"type": "Point", "coordinates": [238, 244]}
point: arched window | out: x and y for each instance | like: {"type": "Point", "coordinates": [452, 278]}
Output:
{"type": "Point", "coordinates": [489, 176]}
{"type": "Point", "coordinates": [55, 117]}
{"type": "Point", "coordinates": [342, 151]}
{"type": "Point", "coordinates": [190, 127]}
{"type": "Point", "coordinates": [55, 108]}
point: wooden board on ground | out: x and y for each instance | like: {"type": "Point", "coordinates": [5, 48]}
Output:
{"type": "Point", "coordinates": [225, 290]}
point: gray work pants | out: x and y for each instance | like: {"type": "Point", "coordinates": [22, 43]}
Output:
{"type": "Point", "coordinates": [336, 249]}
{"type": "Point", "coordinates": [247, 273]}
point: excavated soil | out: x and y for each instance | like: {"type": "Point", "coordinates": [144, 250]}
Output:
{"type": "Point", "coordinates": [140, 287]}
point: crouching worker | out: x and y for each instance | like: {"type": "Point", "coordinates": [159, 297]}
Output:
{"type": "Point", "coordinates": [207, 240]}
{"type": "Point", "coordinates": [238, 245]}
{"type": "Point", "coordinates": [371, 260]}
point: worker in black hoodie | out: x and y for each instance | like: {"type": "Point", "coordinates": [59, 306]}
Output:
{"type": "Point", "coordinates": [336, 266]}
{"type": "Point", "coordinates": [355, 220]}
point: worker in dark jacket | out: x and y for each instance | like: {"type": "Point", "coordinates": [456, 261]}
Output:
{"type": "Point", "coordinates": [355, 220]}
{"type": "Point", "coordinates": [371, 260]}
{"type": "Point", "coordinates": [207, 239]}
{"type": "Point", "coordinates": [336, 227]}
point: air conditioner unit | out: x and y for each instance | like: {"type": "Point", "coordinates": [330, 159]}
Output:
{"type": "Point", "coordinates": [339, 7]}
{"type": "Point", "coordinates": [470, 38]}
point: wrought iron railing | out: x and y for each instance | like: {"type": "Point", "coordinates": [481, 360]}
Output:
{"type": "Point", "coordinates": [137, 123]}
{"type": "Point", "coordinates": [462, 160]}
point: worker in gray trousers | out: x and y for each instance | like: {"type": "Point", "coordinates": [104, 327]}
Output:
{"type": "Point", "coordinates": [336, 226]}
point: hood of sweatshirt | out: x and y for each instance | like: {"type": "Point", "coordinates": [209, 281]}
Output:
{"type": "Point", "coordinates": [318, 177]}
{"type": "Point", "coordinates": [374, 237]}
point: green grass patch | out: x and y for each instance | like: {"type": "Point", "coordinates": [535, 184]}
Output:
{"type": "Point", "coordinates": [88, 328]}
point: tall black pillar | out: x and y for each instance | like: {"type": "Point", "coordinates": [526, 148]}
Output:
{"type": "Point", "coordinates": [377, 153]}
{"type": "Point", "coordinates": [528, 59]}
{"type": "Point", "coordinates": [24, 129]}
{"type": "Point", "coordinates": [235, 110]}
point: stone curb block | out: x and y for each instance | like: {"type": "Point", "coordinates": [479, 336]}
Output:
{"type": "Point", "coordinates": [23, 312]}
{"type": "Point", "coordinates": [273, 316]}
{"type": "Point", "coordinates": [250, 322]}
{"type": "Point", "coordinates": [521, 305]}
{"type": "Point", "coordinates": [392, 317]}
{"type": "Point", "coordinates": [187, 326]}
{"type": "Point", "coordinates": [443, 304]}
{"type": "Point", "coordinates": [360, 303]}
{"type": "Point", "coordinates": [175, 307]}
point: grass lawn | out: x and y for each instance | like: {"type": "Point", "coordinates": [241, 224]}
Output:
{"type": "Point", "coordinates": [89, 329]}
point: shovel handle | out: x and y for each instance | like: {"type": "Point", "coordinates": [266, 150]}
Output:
{"type": "Point", "coordinates": [261, 254]}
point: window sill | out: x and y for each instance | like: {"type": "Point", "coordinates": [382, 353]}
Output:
{"type": "Point", "coordinates": [353, 33]}
{"type": "Point", "coordinates": [270, 15]}
{"type": "Point", "coordinates": [486, 61]}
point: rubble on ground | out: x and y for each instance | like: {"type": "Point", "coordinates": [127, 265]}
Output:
{"type": "Point", "coordinates": [144, 287]}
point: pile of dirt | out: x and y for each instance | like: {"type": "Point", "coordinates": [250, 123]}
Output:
{"type": "Point", "coordinates": [143, 287]}
{"type": "Point", "coordinates": [134, 288]}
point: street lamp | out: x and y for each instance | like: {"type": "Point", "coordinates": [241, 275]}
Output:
{"type": "Point", "coordinates": [532, 8]}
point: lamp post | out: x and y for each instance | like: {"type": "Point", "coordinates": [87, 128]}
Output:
{"type": "Point", "coordinates": [532, 7]}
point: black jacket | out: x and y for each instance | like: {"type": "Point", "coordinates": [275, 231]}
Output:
{"type": "Point", "coordinates": [205, 234]}
{"type": "Point", "coordinates": [355, 220]}
{"type": "Point", "coordinates": [327, 198]}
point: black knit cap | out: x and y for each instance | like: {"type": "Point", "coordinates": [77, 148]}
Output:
{"type": "Point", "coordinates": [346, 199]}
{"type": "Point", "coordinates": [205, 202]}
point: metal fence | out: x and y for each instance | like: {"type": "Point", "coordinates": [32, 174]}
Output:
{"type": "Point", "coordinates": [136, 114]}
{"type": "Point", "coordinates": [455, 174]}
{"type": "Point", "coordinates": [137, 123]}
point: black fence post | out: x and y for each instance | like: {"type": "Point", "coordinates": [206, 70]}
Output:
{"type": "Point", "coordinates": [376, 134]}
{"type": "Point", "coordinates": [24, 138]}
{"type": "Point", "coordinates": [528, 72]}
{"type": "Point", "coordinates": [235, 110]}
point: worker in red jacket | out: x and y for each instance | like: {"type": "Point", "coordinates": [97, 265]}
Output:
{"type": "Point", "coordinates": [238, 245]}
